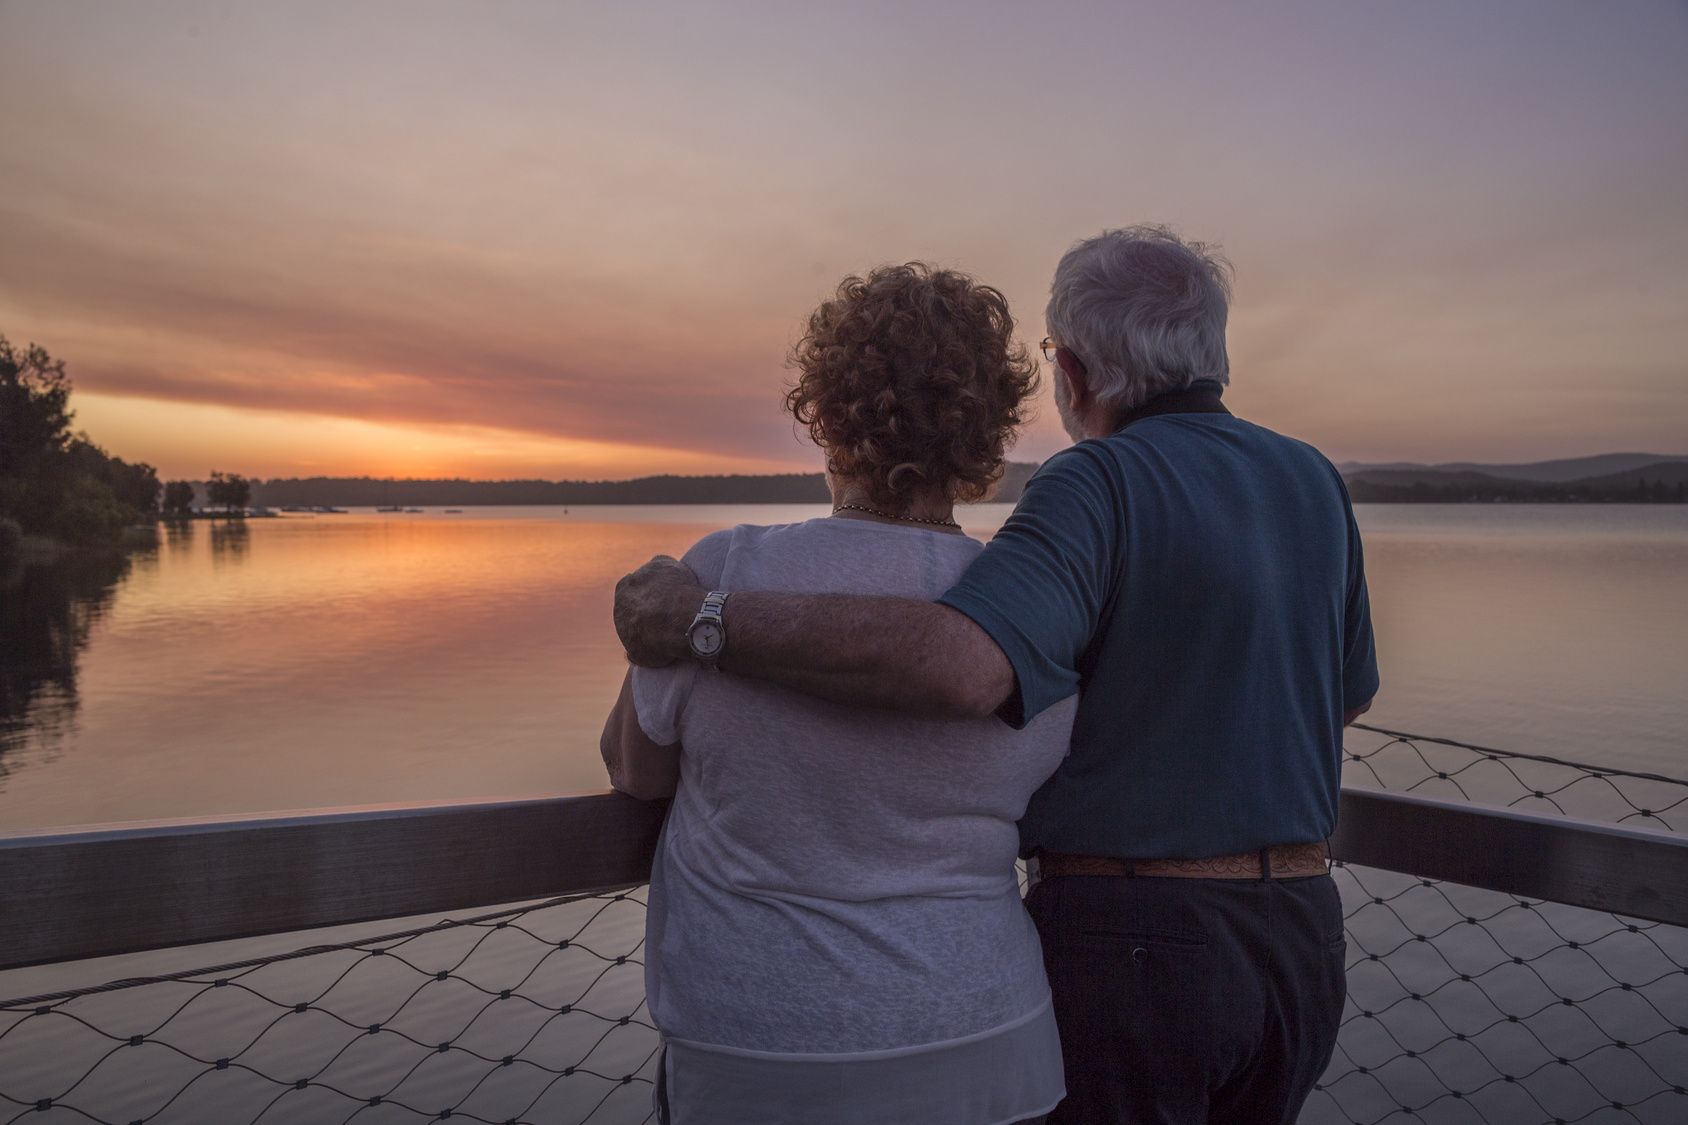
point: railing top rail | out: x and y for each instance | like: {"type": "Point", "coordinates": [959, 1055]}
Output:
{"type": "Point", "coordinates": [1437, 807]}
{"type": "Point", "coordinates": [230, 822]}
{"type": "Point", "coordinates": [93, 892]}
{"type": "Point", "coordinates": [281, 818]}
{"type": "Point", "coordinates": [127, 888]}
{"type": "Point", "coordinates": [1620, 868]}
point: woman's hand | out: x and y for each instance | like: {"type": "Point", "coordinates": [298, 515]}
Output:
{"type": "Point", "coordinates": [653, 608]}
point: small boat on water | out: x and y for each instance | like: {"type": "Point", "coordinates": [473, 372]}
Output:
{"type": "Point", "coordinates": [413, 510]}
{"type": "Point", "coordinates": [325, 510]}
{"type": "Point", "coordinates": [393, 508]}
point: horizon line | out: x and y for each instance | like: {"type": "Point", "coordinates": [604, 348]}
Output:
{"type": "Point", "coordinates": [1662, 457]}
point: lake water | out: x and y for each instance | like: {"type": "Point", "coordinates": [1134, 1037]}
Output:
{"type": "Point", "coordinates": [334, 660]}
{"type": "Point", "coordinates": [305, 662]}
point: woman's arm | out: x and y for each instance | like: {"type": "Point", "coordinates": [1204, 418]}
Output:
{"type": "Point", "coordinates": [637, 766]}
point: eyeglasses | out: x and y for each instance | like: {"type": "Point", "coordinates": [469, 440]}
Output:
{"type": "Point", "coordinates": [1049, 347]}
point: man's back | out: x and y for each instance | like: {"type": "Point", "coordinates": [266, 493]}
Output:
{"type": "Point", "coordinates": [1199, 580]}
{"type": "Point", "coordinates": [1213, 690]}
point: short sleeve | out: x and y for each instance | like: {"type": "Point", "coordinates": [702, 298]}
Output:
{"type": "Point", "coordinates": [1040, 585]}
{"type": "Point", "coordinates": [660, 694]}
{"type": "Point", "coordinates": [1359, 647]}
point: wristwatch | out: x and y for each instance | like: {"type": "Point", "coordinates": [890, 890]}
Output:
{"type": "Point", "coordinates": [707, 634]}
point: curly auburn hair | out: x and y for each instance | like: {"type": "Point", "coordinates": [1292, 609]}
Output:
{"type": "Point", "coordinates": [911, 378]}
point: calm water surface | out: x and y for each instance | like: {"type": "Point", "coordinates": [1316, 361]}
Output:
{"type": "Point", "coordinates": [319, 661]}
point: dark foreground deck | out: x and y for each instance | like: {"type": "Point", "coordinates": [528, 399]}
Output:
{"type": "Point", "coordinates": [1508, 962]}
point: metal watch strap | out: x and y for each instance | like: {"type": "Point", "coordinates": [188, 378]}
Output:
{"type": "Point", "coordinates": [714, 603]}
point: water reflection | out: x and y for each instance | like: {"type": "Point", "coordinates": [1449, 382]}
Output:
{"type": "Point", "coordinates": [47, 611]}
{"type": "Point", "coordinates": [302, 661]}
{"type": "Point", "coordinates": [230, 540]}
{"type": "Point", "coordinates": [178, 536]}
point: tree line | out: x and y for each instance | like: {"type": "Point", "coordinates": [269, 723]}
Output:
{"type": "Point", "coordinates": [770, 488]}
{"type": "Point", "coordinates": [58, 483]}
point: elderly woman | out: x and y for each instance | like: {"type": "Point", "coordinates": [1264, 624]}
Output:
{"type": "Point", "coordinates": [835, 931]}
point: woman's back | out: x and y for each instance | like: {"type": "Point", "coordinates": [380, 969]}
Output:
{"type": "Point", "coordinates": [835, 879]}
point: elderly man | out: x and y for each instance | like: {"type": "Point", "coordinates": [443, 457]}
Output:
{"type": "Point", "coordinates": [1198, 580]}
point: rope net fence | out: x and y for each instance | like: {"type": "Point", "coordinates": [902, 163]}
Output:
{"type": "Point", "coordinates": [1464, 1005]}
{"type": "Point", "coordinates": [1456, 771]}
{"type": "Point", "coordinates": [534, 1013]}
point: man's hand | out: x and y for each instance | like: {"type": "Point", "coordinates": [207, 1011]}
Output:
{"type": "Point", "coordinates": [653, 608]}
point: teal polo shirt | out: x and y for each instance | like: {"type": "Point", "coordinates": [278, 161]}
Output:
{"type": "Point", "coordinates": [1198, 580]}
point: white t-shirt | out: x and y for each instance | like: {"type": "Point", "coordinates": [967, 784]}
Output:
{"type": "Point", "coordinates": [835, 926]}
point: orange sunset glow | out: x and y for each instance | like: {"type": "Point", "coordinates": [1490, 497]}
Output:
{"type": "Point", "coordinates": [533, 240]}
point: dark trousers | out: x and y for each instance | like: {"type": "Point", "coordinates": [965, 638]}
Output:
{"type": "Point", "coordinates": [1191, 1001]}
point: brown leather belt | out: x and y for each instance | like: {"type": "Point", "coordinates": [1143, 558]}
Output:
{"type": "Point", "coordinates": [1281, 861]}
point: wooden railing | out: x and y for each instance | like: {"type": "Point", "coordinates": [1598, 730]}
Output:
{"type": "Point", "coordinates": [90, 892]}
{"type": "Point", "coordinates": [96, 891]}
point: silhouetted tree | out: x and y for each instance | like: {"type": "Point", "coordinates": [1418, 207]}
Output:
{"type": "Point", "coordinates": [34, 431]}
{"type": "Point", "coordinates": [34, 407]}
{"type": "Point", "coordinates": [52, 483]}
{"type": "Point", "coordinates": [229, 490]}
{"type": "Point", "coordinates": [178, 498]}
{"type": "Point", "coordinates": [11, 542]}
{"type": "Point", "coordinates": [135, 486]}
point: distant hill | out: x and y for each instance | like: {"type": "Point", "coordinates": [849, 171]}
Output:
{"type": "Point", "coordinates": [1667, 472]}
{"type": "Point", "coordinates": [1406, 476]}
{"type": "Point", "coordinates": [358, 492]}
{"type": "Point", "coordinates": [1658, 482]}
{"type": "Point", "coordinates": [1570, 469]}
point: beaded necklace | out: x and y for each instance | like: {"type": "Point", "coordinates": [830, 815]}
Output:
{"type": "Point", "coordinates": [887, 515]}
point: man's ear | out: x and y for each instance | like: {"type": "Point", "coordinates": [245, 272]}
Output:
{"type": "Point", "coordinates": [1072, 369]}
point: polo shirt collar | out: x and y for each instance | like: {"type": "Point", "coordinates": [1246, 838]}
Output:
{"type": "Point", "coordinates": [1200, 397]}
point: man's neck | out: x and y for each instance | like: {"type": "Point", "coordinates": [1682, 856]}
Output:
{"type": "Point", "coordinates": [1200, 397]}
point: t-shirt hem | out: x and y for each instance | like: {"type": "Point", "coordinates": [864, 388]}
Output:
{"type": "Point", "coordinates": [1035, 1013]}
{"type": "Point", "coordinates": [1042, 1112]}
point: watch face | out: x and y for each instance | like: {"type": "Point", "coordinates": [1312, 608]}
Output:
{"type": "Point", "coordinates": [706, 638]}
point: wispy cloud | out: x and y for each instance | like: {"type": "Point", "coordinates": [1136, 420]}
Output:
{"type": "Point", "coordinates": [1457, 232]}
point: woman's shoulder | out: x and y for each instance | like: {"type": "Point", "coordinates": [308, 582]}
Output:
{"type": "Point", "coordinates": [842, 556]}
{"type": "Point", "coordinates": [708, 557]}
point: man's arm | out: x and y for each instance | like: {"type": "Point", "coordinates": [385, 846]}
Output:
{"type": "Point", "coordinates": [1007, 639]}
{"type": "Point", "coordinates": [637, 766]}
{"type": "Point", "coordinates": [912, 656]}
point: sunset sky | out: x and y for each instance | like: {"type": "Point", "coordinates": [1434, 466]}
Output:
{"type": "Point", "coordinates": [575, 241]}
